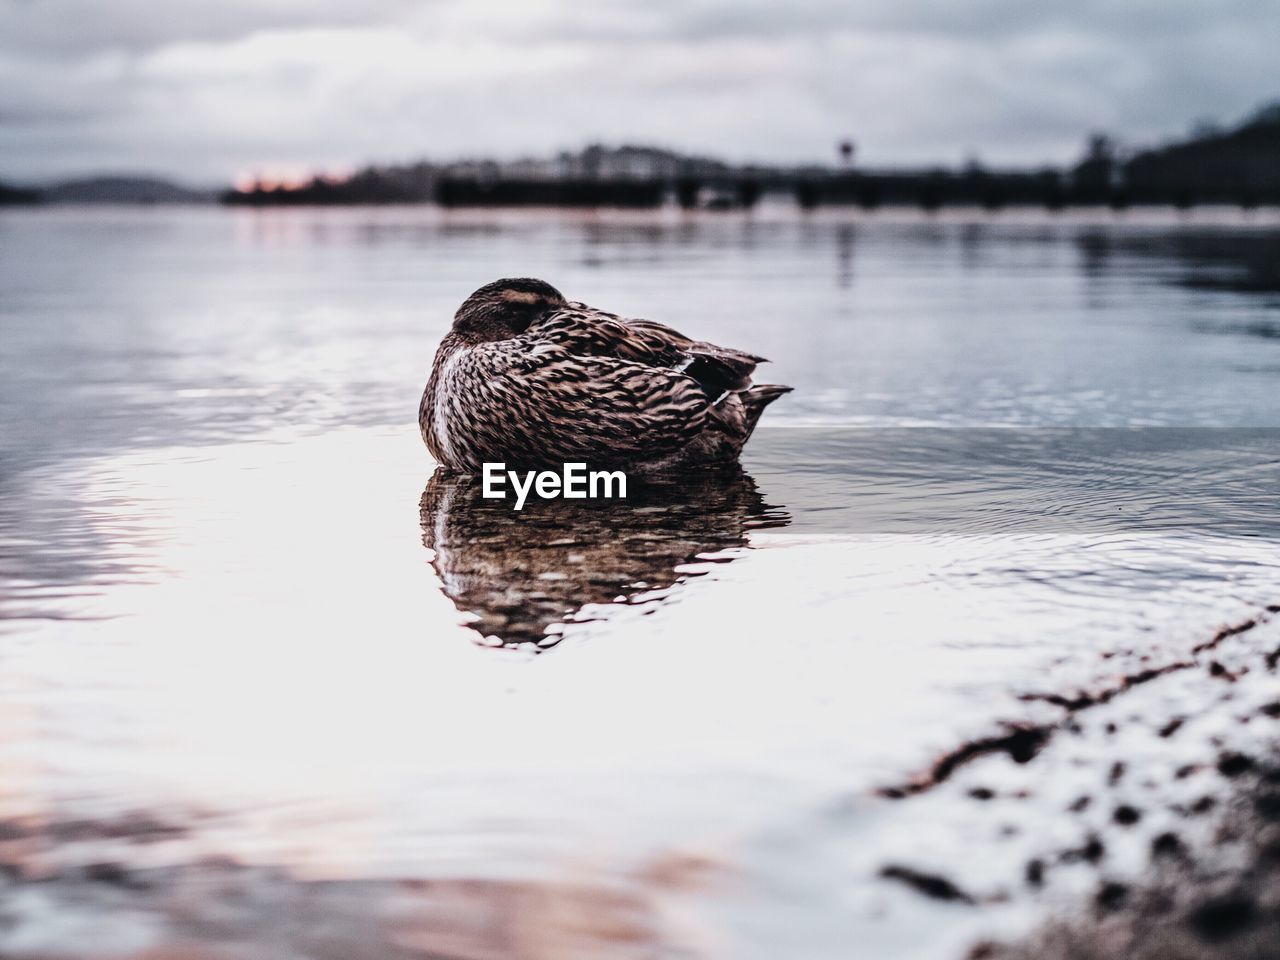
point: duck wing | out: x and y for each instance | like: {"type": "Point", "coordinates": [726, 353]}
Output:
{"type": "Point", "coordinates": [546, 405]}
{"type": "Point", "coordinates": [583, 330]}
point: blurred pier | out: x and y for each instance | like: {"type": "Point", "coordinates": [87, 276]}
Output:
{"type": "Point", "coordinates": [1236, 167]}
{"type": "Point", "coordinates": [930, 190]}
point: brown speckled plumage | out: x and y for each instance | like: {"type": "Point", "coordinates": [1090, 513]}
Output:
{"type": "Point", "coordinates": [530, 379]}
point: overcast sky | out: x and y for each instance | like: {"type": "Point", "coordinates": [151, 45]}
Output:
{"type": "Point", "coordinates": [208, 89]}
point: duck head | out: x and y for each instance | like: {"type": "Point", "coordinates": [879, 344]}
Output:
{"type": "Point", "coordinates": [504, 309]}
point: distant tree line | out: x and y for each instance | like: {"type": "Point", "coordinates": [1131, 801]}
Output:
{"type": "Point", "coordinates": [1239, 166]}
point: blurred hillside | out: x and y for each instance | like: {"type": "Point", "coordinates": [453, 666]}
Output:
{"type": "Point", "coordinates": [123, 189]}
{"type": "Point", "coordinates": [1246, 158]}
{"type": "Point", "coordinates": [109, 189]}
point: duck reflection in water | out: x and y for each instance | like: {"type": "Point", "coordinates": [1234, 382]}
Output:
{"type": "Point", "coordinates": [524, 574]}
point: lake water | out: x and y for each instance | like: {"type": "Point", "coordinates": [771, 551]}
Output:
{"type": "Point", "coordinates": [255, 657]}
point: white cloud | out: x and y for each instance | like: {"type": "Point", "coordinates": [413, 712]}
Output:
{"type": "Point", "coordinates": [215, 87]}
{"type": "Point", "coordinates": [71, 28]}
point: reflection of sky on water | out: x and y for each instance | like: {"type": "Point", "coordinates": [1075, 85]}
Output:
{"type": "Point", "coordinates": [218, 605]}
{"type": "Point", "coordinates": [272, 644]}
{"type": "Point", "coordinates": [125, 328]}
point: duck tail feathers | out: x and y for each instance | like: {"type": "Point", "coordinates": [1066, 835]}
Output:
{"type": "Point", "coordinates": [756, 398]}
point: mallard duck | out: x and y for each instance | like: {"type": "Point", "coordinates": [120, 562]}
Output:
{"type": "Point", "coordinates": [530, 379]}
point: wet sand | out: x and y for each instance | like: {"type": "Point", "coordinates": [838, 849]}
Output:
{"type": "Point", "coordinates": [1147, 816]}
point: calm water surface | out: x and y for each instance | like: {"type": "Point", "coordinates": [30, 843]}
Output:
{"type": "Point", "coordinates": [1023, 456]}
